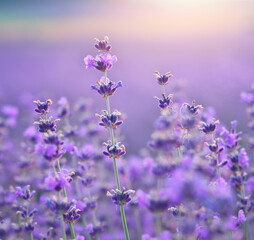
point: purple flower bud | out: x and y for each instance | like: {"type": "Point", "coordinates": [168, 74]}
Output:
{"type": "Point", "coordinates": [241, 216]}
{"type": "Point", "coordinates": [57, 183]}
{"type": "Point", "coordinates": [89, 61]}
{"type": "Point", "coordinates": [111, 120]}
{"type": "Point", "coordinates": [95, 230]}
{"type": "Point", "coordinates": [209, 128]}
{"type": "Point", "coordinates": [106, 88]}
{"type": "Point", "coordinates": [46, 125]}
{"type": "Point", "coordinates": [165, 102]}
{"type": "Point", "coordinates": [102, 45]}
{"type": "Point", "coordinates": [120, 197]}
{"type": "Point", "coordinates": [63, 108]}
{"type": "Point", "coordinates": [163, 79]}
{"type": "Point", "coordinates": [71, 215]}
{"type": "Point", "coordinates": [43, 107]}
{"type": "Point", "coordinates": [32, 134]}
{"type": "Point", "coordinates": [102, 62]}
{"type": "Point", "coordinates": [24, 192]}
{"type": "Point", "coordinates": [188, 110]}
{"type": "Point", "coordinates": [114, 151]}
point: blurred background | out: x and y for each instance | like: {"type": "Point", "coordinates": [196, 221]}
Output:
{"type": "Point", "coordinates": [208, 45]}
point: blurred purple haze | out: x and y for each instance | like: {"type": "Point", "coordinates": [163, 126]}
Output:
{"type": "Point", "coordinates": [208, 45]}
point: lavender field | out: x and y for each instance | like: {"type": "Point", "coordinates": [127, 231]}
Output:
{"type": "Point", "coordinates": [127, 120]}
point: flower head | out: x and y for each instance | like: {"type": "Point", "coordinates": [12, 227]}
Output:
{"type": "Point", "coordinates": [209, 128]}
{"type": "Point", "coordinates": [188, 110]}
{"type": "Point", "coordinates": [71, 215]}
{"type": "Point", "coordinates": [58, 208]}
{"type": "Point", "coordinates": [165, 102]}
{"type": "Point", "coordinates": [63, 108]}
{"type": "Point", "coordinates": [120, 197]}
{"type": "Point", "coordinates": [24, 192]}
{"type": "Point", "coordinates": [60, 181]}
{"type": "Point", "coordinates": [103, 62]}
{"type": "Point", "coordinates": [106, 88]}
{"type": "Point", "coordinates": [163, 79]}
{"type": "Point", "coordinates": [114, 151]}
{"type": "Point", "coordinates": [42, 107]}
{"type": "Point", "coordinates": [111, 120]}
{"type": "Point", "coordinates": [103, 45]}
{"type": "Point", "coordinates": [46, 125]}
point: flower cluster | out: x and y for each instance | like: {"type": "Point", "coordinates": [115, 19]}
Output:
{"type": "Point", "coordinates": [114, 150]}
{"type": "Point", "coordinates": [120, 197]}
{"type": "Point", "coordinates": [106, 88]}
{"type": "Point", "coordinates": [112, 120]}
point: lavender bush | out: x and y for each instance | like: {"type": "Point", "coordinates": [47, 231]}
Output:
{"type": "Point", "coordinates": [70, 177]}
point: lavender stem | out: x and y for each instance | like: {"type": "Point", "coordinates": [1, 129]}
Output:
{"type": "Point", "coordinates": [59, 200]}
{"type": "Point", "coordinates": [65, 196]}
{"type": "Point", "coordinates": [115, 169]}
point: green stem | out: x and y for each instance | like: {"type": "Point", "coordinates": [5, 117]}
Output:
{"type": "Point", "coordinates": [126, 233]}
{"type": "Point", "coordinates": [66, 198]}
{"type": "Point", "coordinates": [158, 224]}
{"type": "Point", "coordinates": [247, 235]}
{"type": "Point", "coordinates": [163, 89]}
{"type": "Point", "coordinates": [218, 167]}
{"type": "Point", "coordinates": [61, 218]}
{"type": "Point", "coordinates": [72, 231]}
{"type": "Point", "coordinates": [82, 217]}
{"type": "Point", "coordinates": [179, 153]}
{"type": "Point", "coordinates": [59, 201]}
{"type": "Point", "coordinates": [31, 236]}
{"type": "Point", "coordinates": [59, 169]}
{"type": "Point", "coordinates": [138, 224]}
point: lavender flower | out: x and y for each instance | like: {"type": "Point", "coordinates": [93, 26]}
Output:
{"type": "Point", "coordinates": [163, 79]}
{"type": "Point", "coordinates": [43, 107]}
{"type": "Point", "coordinates": [111, 120]}
{"type": "Point", "coordinates": [71, 215]}
{"type": "Point", "coordinates": [120, 197]}
{"type": "Point", "coordinates": [165, 102]}
{"type": "Point", "coordinates": [103, 62]}
{"type": "Point", "coordinates": [209, 128]}
{"type": "Point", "coordinates": [114, 151]}
{"type": "Point", "coordinates": [25, 192]}
{"type": "Point", "coordinates": [46, 125]}
{"type": "Point", "coordinates": [106, 88]}
{"type": "Point", "coordinates": [57, 183]}
{"type": "Point", "coordinates": [103, 45]}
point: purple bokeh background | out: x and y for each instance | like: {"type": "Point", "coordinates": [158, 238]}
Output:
{"type": "Point", "coordinates": [207, 45]}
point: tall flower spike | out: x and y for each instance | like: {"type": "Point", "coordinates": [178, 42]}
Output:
{"type": "Point", "coordinates": [106, 88]}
